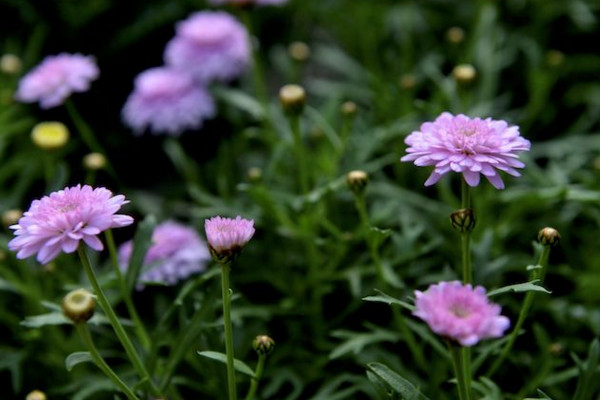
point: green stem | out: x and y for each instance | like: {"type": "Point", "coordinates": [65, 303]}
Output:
{"type": "Point", "coordinates": [299, 149]}
{"type": "Point", "coordinates": [140, 329]}
{"type": "Point", "coordinates": [86, 133]}
{"type": "Point", "coordinates": [260, 365]}
{"type": "Point", "coordinates": [116, 324]}
{"type": "Point", "coordinates": [226, 293]}
{"type": "Point", "coordinates": [84, 332]}
{"type": "Point", "coordinates": [467, 272]}
{"type": "Point", "coordinates": [527, 303]}
{"type": "Point", "coordinates": [464, 392]}
{"type": "Point", "coordinates": [260, 87]}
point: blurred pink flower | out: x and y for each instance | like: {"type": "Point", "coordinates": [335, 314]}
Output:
{"type": "Point", "coordinates": [471, 146]}
{"type": "Point", "coordinates": [210, 45]}
{"type": "Point", "coordinates": [459, 312]}
{"type": "Point", "coordinates": [58, 222]}
{"type": "Point", "coordinates": [167, 100]}
{"type": "Point", "coordinates": [226, 236]}
{"type": "Point", "coordinates": [256, 2]}
{"type": "Point", "coordinates": [53, 81]}
{"type": "Point", "coordinates": [177, 252]}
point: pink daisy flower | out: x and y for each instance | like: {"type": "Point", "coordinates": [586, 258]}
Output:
{"type": "Point", "coordinates": [226, 236]}
{"type": "Point", "coordinates": [53, 81]}
{"type": "Point", "coordinates": [59, 221]}
{"type": "Point", "coordinates": [471, 146]}
{"type": "Point", "coordinates": [210, 45]}
{"type": "Point", "coordinates": [167, 100]}
{"type": "Point", "coordinates": [177, 252]}
{"type": "Point", "coordinates": [460, 313]}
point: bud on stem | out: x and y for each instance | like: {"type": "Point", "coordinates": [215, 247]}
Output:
{"type": "Point", "coordinates": [463, 220]}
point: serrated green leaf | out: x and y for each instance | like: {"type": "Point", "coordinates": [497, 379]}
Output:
{"type": "Point", "coordinates": [520, 287]}
{"type": "Point", "coordinates": [239, 365]}
{"type": "Point", "coordinates": [386, 298]}
{"type": "Point", "coordinates": [77, 358]}
{"type": "Point", "coordinates": [397, 383]}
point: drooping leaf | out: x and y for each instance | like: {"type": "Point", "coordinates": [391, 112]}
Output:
{"type": "Point", "coordinates": [386, 298]}
{"type": "Point", "coordinates": [77, 358]}
{"type": "Point", "coordinates": [520, 287]}
{"type": "Point", "coordinates": [397, 383]}
{"type": "Point", "coordinates": [239, 365]}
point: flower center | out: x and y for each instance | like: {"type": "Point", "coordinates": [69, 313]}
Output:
{"type": "Point", "coordinates": [459, 311]}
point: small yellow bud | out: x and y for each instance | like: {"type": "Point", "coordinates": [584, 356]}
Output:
{"type": "Point", "coordinates": [10, 64]}
{"type": "Point", "coordinates": [407, 81]}
{"type": "Point", "coordinates": [463, 220]}
{"type": "Point", "coordinates": [555, 58]}
{"type": "Point", "coordinates": [357, 181]}
{"type": "Point", "coordinates": [349, 109]}
{"type": "Point", "coordinates": [455, 35]}
{"type": "Point", "coordinates": [79, 305]}
{"type": "Point", "coordinates": [94, 161]}
{"type": "Point", "coordinates": [50, 135]}
{"type": "Point", "coordinates": [299, 51]}
{"type": "Point", "coordinates": [464, 73]}
{"type": "Point", "coordinates": [11, 217]}
{"type": "Point", "coordinates": [254, 174]}
{"type": "Point", "coordinates": [292, 98]}
{"type": "Point", "coordinates": [549, 236]}
{"type": "Point", "coordinates": [263, 344]}
{"type": "Point", "coordinates": [36, 395]}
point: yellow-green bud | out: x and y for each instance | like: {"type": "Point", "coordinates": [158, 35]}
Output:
{"type": "Point", "coordinates": [293, 99]}
{"type": "Point", "coordinates": [357, 181]}
{"type": "Point", "coordinates": [555, 58]}
{"type": "Point", "coordinates": [263, 344]}
{"type": "Point", "coordinates": [455, 35]}
{"type": "Point", "coordinates": [11, 217]}
{"type": "Point", "coordinates": [36, 395]}
{"type": "Point", "coordinates": [463, 220]}
{"type": "Point", "coordinates": [50, 135]}
{"type": "Point", "coordinates": [549, 236]}
{"type": "Point", "coordinates": [254, 174]}
{"type": "Point", "coordinates": [299, 51]}
{"type": "Point", "coordinates": [10, 64]}
{"type": "Point", "coordinates": [407, 81]}
{"type": "Point", "coordinates": [79, 305]}
{"type": "Point", "coordinates": [94, 161]}
{"type": "Point", "coordinates": [464, 73]}
{"type": "Point", "coordinates": [349, 109]}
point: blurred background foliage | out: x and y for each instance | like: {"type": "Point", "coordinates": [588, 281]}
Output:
{"type": "Point", "coordinates": [537, 65]}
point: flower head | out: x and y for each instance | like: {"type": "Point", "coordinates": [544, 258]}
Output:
{"type": "Point", "coordinates": [50, 135]}
{"type": "Point", "coordinates": [59, 221]}
{"type": "Point", "coordinates": [210, 45]}
{"type": "Point", "coordinates": [177, 252]}
{"type": "Point", "coordinates": [471, 146]}
{"type": "Point", "coordinates": [167, 100]}
{"type": "Point", "coordinates": [226, 236]}
{"type": "Point", "coordinates": [53, 81]}
{"type": "Point", "coordinates": [460, 312]}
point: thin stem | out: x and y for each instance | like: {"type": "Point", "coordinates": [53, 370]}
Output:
{"type": "Point", "coordinates": [260, 365]}
{"type": "Point", "coordinates": [140, 329]}
{"type": "Point", "coordinates": [527, 303]}
{"type": "Point", "coordinates": [84, 332]}
{"type": "Point", "coordinates": [86, 133]}
{"type": "Point", "coordinates": [300, 153]}
{"type": "Point", "coordinates": [464, 392]}
{"type": "Point", "coordinates": [226, 293]}
{"type": "Point", "coordinates": [116, 324]}
{"type": "Point", "coordinates": [260, 87]}
{"type": "Point", "coordinates": [467, 272]}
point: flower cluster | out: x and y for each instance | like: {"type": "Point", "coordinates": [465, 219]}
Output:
{"type": "Point", "coordinates": [177, 252]}
{"type": "Point", "coordinates": [60, 221]}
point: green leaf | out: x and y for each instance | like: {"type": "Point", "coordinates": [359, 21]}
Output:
{"type": "Point", "coordinates": [376, 236]}
{"type": "Point", "coordinates": [77, 358]}
{"type": "Point", "coordinates": [397, 383]}
{"type": "Point", "coordinates": [357, 341]}
{"type": "Point", "coordinates": [7, 286]}
{"type": "Point", "coordinates": [239, 365]}
{"type": "Point", "coordinates": [53, 318]}
{"type": "Point", "coordinates": [520, 287]}
{"type": "Point", "coordinates": [141, 243]}
{"type": "Point", "coordinates": [241, 101]}
{"type": "Point", "coordinates": [386, 298]}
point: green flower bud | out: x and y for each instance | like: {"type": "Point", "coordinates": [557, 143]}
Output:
{"type": "Point", "coordinates": [349, 109]}
{"type": "Point", "coordinates": [79, 305]}
{"type": "Point", "coordinates": [463, 220]}
{"type": "Point", "coordinates": [299, 51]}
{"type": "Point", "coordinates": [464, 73]}
{"type": "Point", "coordinates": [549, 237]}
{"type": "Point", "coordinates": [293, 99]}
{"type": "Point", "coordinates": [36, 395]}
{"type": "Point", "coordinates": [263, 344]}
{"type": "Point", "coordinates": [357, 181]}
{"type": "Point", "coordinates": [94, 161]}
{"type": "Point", "coordinates": [11, 217]}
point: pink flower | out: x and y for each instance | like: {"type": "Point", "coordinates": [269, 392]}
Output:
{"type": "Point", "coordinates": [210, 45]}
{"type": "Point", "coordinates": [226, 236]}
{"type": "Point", "coordinates": [167, 100]}
{"type": "Point", "coordinates": [471, 146]}
{"type": "Point", "coordinates": [459, 312]}
{"type": "Point", "coordinates": [53, 81]}
{"type": "Point", "coordinates": [177, 252]}
{"type": "Point", "coordinates": [244, 2]}
{"type": "Point", "coordinates": [58, 222]}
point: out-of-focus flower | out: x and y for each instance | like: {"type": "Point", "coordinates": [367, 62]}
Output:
{"type": "Point", "coordinates": [299, 51]}
{"type": "Point", "coordinates": [10, 217]}
{"type": "Point", "coordinates": [94, 161]}
{"type": "Point", "coordinates": [53, 81]}
{"type": "Point", "coordinates": [464, 73]}
{"type": "Point", "coordinates": [167, 100]}
{"type": "Point", "coordinates": [36, 395]}
{"type": "Point", "coordinates": [210, 45]}
{"type": "Point", "coordinates": [471, 146]}
{"type": "Point", "coordinates": [59, 221]}
{"type": "Point", "coordinates": [10, 64]}
{"type": "Point", "coordinates": [227, 236]}
{"type": "Point", "coordinates": [248, 2]}
{"type": "Point", "coordinates": [177, 252]}
{"type": "Point", "coordinates": [460, 312]}
{"type": "Point", "coordinates": [50, 135]}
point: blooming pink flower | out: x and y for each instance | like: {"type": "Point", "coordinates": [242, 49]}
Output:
{"type": "Point", "coordinates": [167, 100]}
{"type": "Point", "coordinates": [177, 252]}
{"type": "Point", "coordinates": [471, 146]}
{"type": "Point", "coordinates": [53, 81]}
{"type": "Point", "coordinates": [255, 2]}
{"type": "Point", "coordinates": [226, 236]}
{"type": "Point", "coordinates": [460, 313]}
{"type": "Point", "coordinates": [58, 222]}
{"type": "Point", "coordinates": [210, 45]}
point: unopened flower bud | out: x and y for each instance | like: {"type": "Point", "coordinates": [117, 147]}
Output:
{"type": "Point", "coordinates": [255, 174]}
{"type": "Point", "coordinates": [11, 217]}
{"type": "Point", "coordinates": [263, 345]}
{"type": "Point", "coordinates": [50, 135]}
{"type": "Point", "coordinates": [10, 64]}
{"type": "Point", "coordinates": [299, 51]}
{"type": "Point", "coordinates": [349, 109]}
{"type": "Point", "coordinates": [464, 73]}
{"type": "Point", "coordinates": [36, 395]}
{"type": "Point", "coordinates": [293, 99]}
{"type": "Point", "coordinates": [94, 161]}
{"type": "Point", "coordinates": [556, 348]}
{"type": "Point", "coordinates": [357, 181]}
{"type": "Point", "coordinates": [455, 35]}
{"type": "Point", "coordinates": [463, 220]}
{"type": "Point", "coordinates": [549, 237]}
{"type": "Point", "coordinates": [555, 58]}
{"type": "Point", "coordinates": [79, 305]}
{"type": "Point", "coordinates": [407, 81]}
